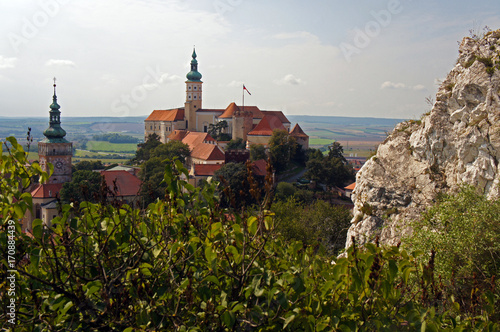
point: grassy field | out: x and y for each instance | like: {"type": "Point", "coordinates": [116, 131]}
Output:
{"type": "Point", "coordinates": [111, 147]}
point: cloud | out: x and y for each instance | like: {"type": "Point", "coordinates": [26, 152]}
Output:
{"type": "Point", "coordinates": [296, 35]}
{"type": "Point", "coordinates": [289, 79]}
{"type": "Point", "coordinates": [56, 62]}
{"type": "Point", "coordinates": [167, 78]}
{"type": "Point", "coordinates": [7, 62]}
{"type": "Point", "coordinates": [392, 85]}
{"type": "Point", "coordinates": [401, 86]}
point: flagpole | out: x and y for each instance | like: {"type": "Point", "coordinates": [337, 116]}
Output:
{"type": "Point", "coordinates": [243, 99]}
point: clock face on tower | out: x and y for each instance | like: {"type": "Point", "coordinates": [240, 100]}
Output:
{"type": "Point", "coordinates": [58, 165]}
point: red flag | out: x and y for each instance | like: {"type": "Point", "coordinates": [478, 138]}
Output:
{"type": "Point", "coordinates": [244, 88]}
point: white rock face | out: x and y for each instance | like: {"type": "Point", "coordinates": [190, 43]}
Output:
{"type": "Point", "coordinates": [457, 142]}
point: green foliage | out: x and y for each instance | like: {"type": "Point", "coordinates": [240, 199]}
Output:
{"type": "Point", "coordinates": [282, 149]}
{"type": "Point", "coordinates": [88, 165]}
{"type": "Point", "coordinates": [464, 231]}
{"type": "Point", "coordinates": [186, 264]}
{"type": "Point", "coordinates": [236, 144]}
{"type": "Point", "coordinates": [332, 169]}
{"type": "Point", "coordinates": [153, 168]}
{"type": "Point", "coordinates": [115, 138]}
{"type": "Point", "coordinates": [217, 131]}
{"type": "Point", "coordinates": [317, 222]}
{"type": "Point", "coordinates": [144, 149]}
{"type": "Point", "coordinates": [85, 185]}
{"type": "Point", "coordinates": [238, 186]}
{"type": "Point", "coordinates": [257, 152]}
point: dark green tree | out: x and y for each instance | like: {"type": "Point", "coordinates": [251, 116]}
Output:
{"type": "Point", "coordinates": [282, 149]}
{"type": "Point", "coordinates": [236, 144]}
{"type": "Point", "coordinates": [217, 131]}
{"type": "Point", "coordinates": [144, 149]}
{"type": "Point", "coordinates": [257, 152]}
{"type": "Point", "coordinates": [85, 185]}
{"type": "Point", "coordinates": [332, 169]}
{"type": "Point", "coordinates": [86, 165]}
{"type": "Point", "coordinates": [153, 168]}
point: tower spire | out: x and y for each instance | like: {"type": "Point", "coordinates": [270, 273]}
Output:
{"type": "Point", "coordinates": [54, 133]}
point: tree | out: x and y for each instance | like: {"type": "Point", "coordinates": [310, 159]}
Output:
{"type": "Point", "coordinates": [144, 149]}
{"type": "Point", "coordinates": [282, 149]}
{"type": "Point", "coordinates": [85, 185]}
{"type": "Point", "coordinates": [89, 165]}
{"type": "Point", "coordinates": [153, 168]}
{"type": "Point", "coordinates": [236, 144]}
{"type": "Point", "coordinates": [332, 170]}
{"type": "Point", "coordinates": [217, 130]}
{"type": "Point", "coordinates": [257, 152]}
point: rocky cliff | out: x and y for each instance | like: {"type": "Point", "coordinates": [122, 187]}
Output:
{"type": "Point", "coordinates": [457, 142]}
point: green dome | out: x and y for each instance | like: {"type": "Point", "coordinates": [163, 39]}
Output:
{"type": "Point", "coordinates": [193, 76]}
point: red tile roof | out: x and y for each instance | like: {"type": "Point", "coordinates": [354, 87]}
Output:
{"type": "Point", "coordinates": [208, 152]}
{"type": "Point", "coordinates": [193, 138]}
{"type": "Point", "coordinates": [351, 186]}
{"type": "Point", "coordinates": [279, 114]}
{"type": "Point", "coordinates": [178, 135]}
{"type": "Point", "coordinates": [228, 113]}
{"type": "Point", "coordinates": [46, 190]}
{"type": "Point", "coordinates": [206, 169]}
{"type": "Point", "coordinates": [266, 126]}
{"type": "Point", "coordinates": [298, 132]}
{"type": "Point", "coordinates": [176, 114]}
{"type": "Point", "coordinates": [126, 184]}
{"type": "Point", "coordinates": [259, 167]}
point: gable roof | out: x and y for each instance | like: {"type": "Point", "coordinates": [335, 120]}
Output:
{"type": "Point", "coordinates": [298, 132]}
{"type": "Point", "coordinates": [206, 169]}
{"type": "Point", "coordinates": [176, 114]}
{"type": "Point", "coordinates": [47, 190]}
{"type": "Point", "coordinates": [266, 126]}
{"type": "Point", "coordinates": [126, 184]}
{"type": "Point", "coordinates": [278, 114]}
{"type": "Point", "coordinates": [208, 152]}
{"type": "Point", "coordinates": [178, 135]}
{"type": "Point", "coordinates": [194, 138]}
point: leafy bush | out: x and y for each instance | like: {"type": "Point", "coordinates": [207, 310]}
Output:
{"type": "Point", "coordinates": [464, 232]}
{"type": "Point", "coordinates": [186, 264]}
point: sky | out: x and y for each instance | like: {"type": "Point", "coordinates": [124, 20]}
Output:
{"type": "Point", "coordinates": [319, 57]}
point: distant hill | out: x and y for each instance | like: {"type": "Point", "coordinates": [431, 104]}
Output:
{"type": "Point", "coordinates": [344, 121]}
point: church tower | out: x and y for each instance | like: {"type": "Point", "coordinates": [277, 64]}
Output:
{"type": "Point", "coordinates": [54, 148]}
{"type": "Point", "coordinates": [193, 94]}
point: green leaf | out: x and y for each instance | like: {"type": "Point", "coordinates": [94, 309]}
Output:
{"type": "Point", "coordinates": [289, 319]}
{"type": "Point", "coordinates": [213, 279]}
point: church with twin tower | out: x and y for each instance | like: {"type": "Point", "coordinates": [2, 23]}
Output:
{"type": "Point", "coordinates": [251, 124]}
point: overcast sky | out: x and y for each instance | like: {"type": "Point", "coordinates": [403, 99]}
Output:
{"type": "Point", "coordinates": [318, 57]}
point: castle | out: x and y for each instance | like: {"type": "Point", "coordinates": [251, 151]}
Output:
{"type": "Point", "coordinates": [252, 125]}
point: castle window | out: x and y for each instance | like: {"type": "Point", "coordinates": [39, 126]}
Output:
{"type": "Point", "coordinates": [205, 129]}
{"type": "Point", "coordinates": [189, 88]}
{"type": "Point", "coordinates": [195, 88]}
{"type": "Point", "coordinates": [194, 96]}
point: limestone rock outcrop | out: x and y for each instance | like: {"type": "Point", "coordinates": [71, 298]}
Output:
{"type": "Point", "coordinates": [457, 142]}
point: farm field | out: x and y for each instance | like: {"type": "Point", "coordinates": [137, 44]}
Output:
{"type": "Point", "coordinates": [111, 147]}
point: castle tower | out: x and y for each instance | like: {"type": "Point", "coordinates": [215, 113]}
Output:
{"type": "Point", "coordinates": [242, 124]}
{"type": "Point", "coordinates": [193, 94]}
{"type": "Point", "coordinates": [54, 148]}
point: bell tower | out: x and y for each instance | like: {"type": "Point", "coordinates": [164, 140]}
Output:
{"type": "Point", "coordinates": [54, 148]}
{"type": "Point", "coordinates": [193, 94]}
